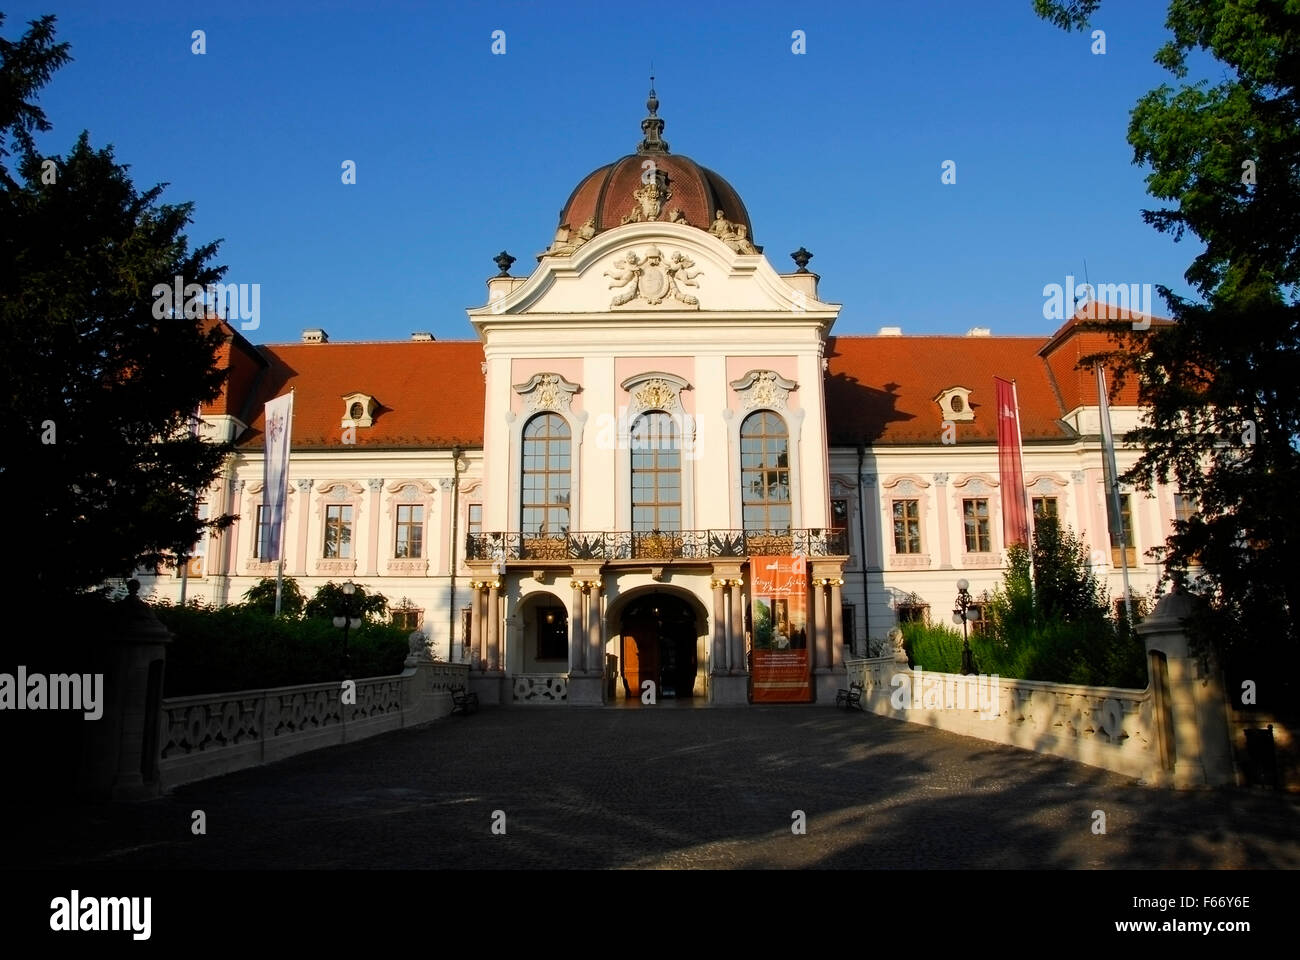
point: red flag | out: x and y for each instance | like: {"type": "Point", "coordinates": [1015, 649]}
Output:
{"type": "Point", "coordinates": [1011, 474]}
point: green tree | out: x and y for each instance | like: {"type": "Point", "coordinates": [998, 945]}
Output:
{"type": "Point", "coordinates": [26, 65]}
{"type": "Point", "coordinates": [262, 597]}
{"type": "Point", "coordinates": [1065, 588]}
{"type": "Point", "coordinates": [329, 599]}
{"type": "Point", "coordinates": [1222, 415]}
{"type": "Point", "coordinates": [100, 393]}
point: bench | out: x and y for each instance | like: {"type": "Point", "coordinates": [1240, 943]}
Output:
{"type": "Point", "coordinates": [463, 701]}
{"type": "Point", "coordinates": [852, 697]}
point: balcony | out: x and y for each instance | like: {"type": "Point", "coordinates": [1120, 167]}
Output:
{"type": "Point", "coordinates": [657, 545]}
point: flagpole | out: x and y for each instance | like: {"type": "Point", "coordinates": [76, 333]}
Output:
{"type": "Point", "coordinates": [194, 505]}
{"type": "Point", "coordinates": [1110, 468]}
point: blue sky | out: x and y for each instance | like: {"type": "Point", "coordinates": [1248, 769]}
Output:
{"type": "Point", "coordinates": [461, 153]}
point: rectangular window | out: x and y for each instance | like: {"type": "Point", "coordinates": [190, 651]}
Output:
{"type": "Point", "coordinates": [907, 526]}
{"type": "Point", "coordinates": [913, 613]}
{"type": "Point", "coordinates": [338, 531]}
{"type": "Point", "coordinates": [840, 521]}
{"type": "Point", "coordinates": [474, 519]}
{"type": "Point", "coordinates": [850, 630]}
{"type": "Point", "coordinates": [408, 616]}
{"type": "Point", "coordinates": [1184, 507]}
{"type": "Point", "coordinates": [976, 513]}
{"type": "Point", "coordinates": [979, 623]}
{"type": "Point", "coordinates": [260, 528]}
{"type": "Point", "coordinates": [1045, 507]}
{"type": "Point", "coordinates": [1126, 540]}
{"type": "Point", "coordinates": [410, 531]}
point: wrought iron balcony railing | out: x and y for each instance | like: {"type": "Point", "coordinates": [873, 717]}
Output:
{"type": "Point", "coordinates": [656, 544]}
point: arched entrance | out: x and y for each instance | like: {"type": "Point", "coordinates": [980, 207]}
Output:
{"type": "Point", "coordinates": [659, 644]}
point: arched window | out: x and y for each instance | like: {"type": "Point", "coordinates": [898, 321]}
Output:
{"type": "Point", "coordinates": [765, 472]}
{"type": "Point", "coordinates": [656, 473]}
{"type": "Point", "coordinates": [546, 476]}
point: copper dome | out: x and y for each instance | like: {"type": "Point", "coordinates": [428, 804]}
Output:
{"type": "Point", "coordinates": [651, 184]}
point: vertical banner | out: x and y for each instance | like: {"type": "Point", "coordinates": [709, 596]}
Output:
{"type": "Point", "coordinates": [779, 613]}
{"type": "Point", "coordinates": [275, 475]}
{"type": "Point", "coordinates": [1011, 477]}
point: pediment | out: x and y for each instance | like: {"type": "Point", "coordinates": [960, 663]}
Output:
{"type": "Point", "coordinates": [652, 268]}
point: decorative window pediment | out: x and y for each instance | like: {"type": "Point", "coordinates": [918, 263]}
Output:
{"type": "Point", "coordinates": [358, 410]}
{"type": "Point", "coordinates": [654, 391]}
{"type": "Point", "coordinates": [763, 388]}
{"type": "Point", "coordinates": [954, 404]}
{"type": "Point", "coordinates": [546, 391]}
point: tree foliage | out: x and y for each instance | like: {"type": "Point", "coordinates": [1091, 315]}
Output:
{"type": "Point", "coordinates": [261, 597]}
{"type": "Point", "coordinates": [1221, 412]}
{"type": "Point", "coordinates": [100, 394]}
{"type": "Point", "coordinates": [329, 601]}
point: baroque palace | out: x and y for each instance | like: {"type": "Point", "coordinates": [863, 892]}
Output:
{"type": "Point", "coordinates": [569, 501]}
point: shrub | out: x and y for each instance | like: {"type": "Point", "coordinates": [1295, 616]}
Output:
{"type": "Point", "coordinates": [242, 648]}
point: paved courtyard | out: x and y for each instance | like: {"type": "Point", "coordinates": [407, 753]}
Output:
{"type": "Point", "coordinates": [671, 787]}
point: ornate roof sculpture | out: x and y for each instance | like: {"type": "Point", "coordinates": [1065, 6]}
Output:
{"type": "Point", "coordinates": [653, 185]}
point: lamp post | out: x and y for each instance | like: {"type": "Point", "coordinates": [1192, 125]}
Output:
{"type": "Point", "coordinates": [347, 618]}
{"type": "Point", "coordinates": [961, 612]}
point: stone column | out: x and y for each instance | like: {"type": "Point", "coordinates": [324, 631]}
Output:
{"type": "Point", "coordinates": [595, 652]}
{"type": "Point", "coordinates": [738, 664]}
{"type": "Point", "coordinates": [577, 629]}
{"type": "Point", "coordinates": [1194, 709]}
{"type": "Point", "coordinates": [815, 653]}
{"type": "Point", "coordinates": [837, 622]}
{"type": "Point", "coordinates": [719, 664]}
{"type": "Point", "coordinates": [494, 624]}
{"type": "Point", "coordinates": [475, 626]}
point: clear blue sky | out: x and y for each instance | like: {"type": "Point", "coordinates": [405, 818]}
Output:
{"type": "Point", "coordinates": [461, 153]}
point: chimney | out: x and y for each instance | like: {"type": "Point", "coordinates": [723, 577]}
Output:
{"type": "Point", "coordinates": [891, 331]}
{"type": "Point", "coordinates": [316, 335]}
{"type": "Point", "coordinates": [422, 336]}
{"type": "Point", "coordinates": [979, 332]}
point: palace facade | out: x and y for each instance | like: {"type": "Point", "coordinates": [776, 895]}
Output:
{"type": "Point", "coordinates": [569, 501]}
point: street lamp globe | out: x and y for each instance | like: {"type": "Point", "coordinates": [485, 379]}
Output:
{"type": "Point", "coordinates": [963, 584]}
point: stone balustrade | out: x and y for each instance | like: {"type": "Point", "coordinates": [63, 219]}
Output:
{"type": "Point", "coordinates": [211, 734]}
{"type": "Point", "coordinates": [1104, 727]}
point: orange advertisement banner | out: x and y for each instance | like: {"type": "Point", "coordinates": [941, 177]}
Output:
{"type": "Point", "coordinates": [778, 613]}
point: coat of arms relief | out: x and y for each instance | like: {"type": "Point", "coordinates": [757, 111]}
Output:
{"type": "Point", "coordinates": [649, 278]}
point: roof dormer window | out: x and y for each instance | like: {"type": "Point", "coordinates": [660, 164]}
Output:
{"type": "Point", "coordinates": [954, 404]}
{"type": "Point", "coordinates": [358, 410]}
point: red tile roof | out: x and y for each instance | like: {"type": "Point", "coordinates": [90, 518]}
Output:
{"type": "Point", "coordinates": [879, 390]}
{"type": "Point", "coordinates": [882, 390]}
{"type": "Point", "coordinates": [428, 394]}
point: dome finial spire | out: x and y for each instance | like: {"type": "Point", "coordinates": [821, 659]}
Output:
{"type": "Point", "coordinates": [652, 126]}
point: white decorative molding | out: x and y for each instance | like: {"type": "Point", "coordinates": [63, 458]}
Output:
{"type": "Point", "coordinates": [940, 479]}
{"type": "Point", "coordinates": [547, 391]}
{"type": "Point", "coordinates": [763, 388]}
{"type": "Point", "coordinates": [650, 279]}
{"type": "Point", "coordinates": [346, 567]}
{"type": "Point", "coordinates": [654, 391]}
{"type": "Point", "coordinates": [909, 561]}
{"type": "Point", "coordinates": [414, 567]}
{"type": "Point", "coordinates": [976, 485]}
{"type": "Point", "coordinates": [304, 484]}
{"type": "Point", "coordinates": [375, 484]}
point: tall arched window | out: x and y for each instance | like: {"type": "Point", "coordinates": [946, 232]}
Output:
{"type": "Point", "coordinates": [656, 473]}
{"type": "Point", "coordinates": [546, 476]}
{"type": "Point", "coordinates": [765, 472]}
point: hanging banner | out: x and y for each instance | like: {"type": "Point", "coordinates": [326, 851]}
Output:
{"type": "Point", "coordinates": [1011, 471]}
{"type": "Point", "coordinates": [779, 614]}
{"type": "Point", "coordinates": [275, 475]}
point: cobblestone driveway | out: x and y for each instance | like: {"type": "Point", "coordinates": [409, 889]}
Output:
{"type": "Point", "coordinates": [669, 787]}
